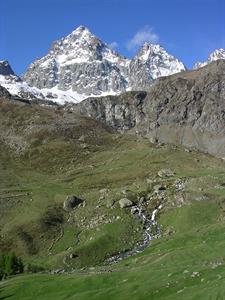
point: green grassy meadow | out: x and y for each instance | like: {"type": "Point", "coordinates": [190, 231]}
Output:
{"type": "Point", "coordinates": [186, 262]}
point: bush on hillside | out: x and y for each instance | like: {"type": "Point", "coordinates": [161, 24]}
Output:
{"type": "Point", "coordinates": [10, 264]}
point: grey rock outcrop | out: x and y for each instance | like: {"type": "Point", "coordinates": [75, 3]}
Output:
{"type": "Point", "coordinates": [121, 112]}
{"type": "Point", "coordinates": [124, 202]}
{"type": "Point", "coordinates": [186, 108]}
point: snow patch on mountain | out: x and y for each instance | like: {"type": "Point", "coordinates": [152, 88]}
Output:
{"type": "Point", "coordinates": [17, 87]}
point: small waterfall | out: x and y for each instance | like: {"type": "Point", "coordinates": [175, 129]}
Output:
{"type": "Point", "coordinates": [148, 225]}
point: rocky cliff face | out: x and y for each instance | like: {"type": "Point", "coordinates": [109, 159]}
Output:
{"type": "Point", "coordinates": [186, 108]}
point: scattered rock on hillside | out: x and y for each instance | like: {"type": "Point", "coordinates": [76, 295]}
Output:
{"type": "Point", "coordinates": [180, 200]}
{"type": "Point", "coordinates": [81, 138]}
{"type": "Point", "coordinates": [109, 203]}
{"type": "Point", "coordinates": [159, 188]}
{"type": "Point", "coordinates": [71, 202]}
{"type": "Point", "coordinates": [195, 274]}
{"type": "Point", "coordinates": [194, 196]}
{"type": "Point", "coordinates": [128, 194]}
{"type": "Point", "coordinates": [166, 173]}
{"type": "Point", "coordinates": [170, 231]}
{"type": "Point", "coordinates": [103, 193]}
{"type": "Point", "coordinates": [124, 202]}
{"type": "Point", "coordinates": [179, 185]}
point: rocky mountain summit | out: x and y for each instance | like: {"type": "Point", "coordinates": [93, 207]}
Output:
{"type": "Point", "coordinates": [82, 65]}
{"type": "Point", "coordinates": [216, 55]}
{"type": "Point", "coordinates": [150, 63]}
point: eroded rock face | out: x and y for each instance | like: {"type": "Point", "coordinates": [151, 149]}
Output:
{"type": "Point", "coordinates": [121, 112]}
{"type": "Point", "coordinates": [186, 108]}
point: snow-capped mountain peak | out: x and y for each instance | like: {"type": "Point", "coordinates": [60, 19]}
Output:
{"type": "Point", "coordinates": [81, 65]}
{"type": "Point", "coordinates": [151, 62]}
{"type": "Point", "coordinates": [82, 46]}
{"type": "Point", "coordinates": [80, 30]}
{"type": "Point", "coordinates": [159, 61]}
{"type": "Point", "coordinates": [149, 50]}
{"type": "Point", "coordinates": [215, 55]}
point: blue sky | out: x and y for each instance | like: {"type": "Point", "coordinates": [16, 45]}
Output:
{"type": "Point", "coordinates": [189, 29]}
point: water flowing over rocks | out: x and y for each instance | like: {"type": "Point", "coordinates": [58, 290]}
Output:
{"type": "Point", "coordinates": [151, 230]}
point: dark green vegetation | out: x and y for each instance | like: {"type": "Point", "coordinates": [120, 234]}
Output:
{"type": "Point", "coordinates": [47, 154]}
{"type": "Point", "coordinates": [10, 264]}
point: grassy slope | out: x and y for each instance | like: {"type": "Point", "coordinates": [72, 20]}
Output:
{"type": "Point", "coordinates": [163, 271]}
{"type": "Point", "coordinates": [50, 171]}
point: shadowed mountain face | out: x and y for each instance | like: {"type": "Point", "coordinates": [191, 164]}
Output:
{"type": "Point", "coordinates": [186, 108]}
{"type": "Point", "coordinates": [5, 68]}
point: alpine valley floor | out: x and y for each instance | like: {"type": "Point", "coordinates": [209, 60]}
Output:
{"type": "Point", "coordinates": [72, 155]}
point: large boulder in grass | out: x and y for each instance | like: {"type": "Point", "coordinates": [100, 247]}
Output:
{"type": "Point", "coordinates": [124, 202]}
{"type": "Point", "coordinates": [71, 202]}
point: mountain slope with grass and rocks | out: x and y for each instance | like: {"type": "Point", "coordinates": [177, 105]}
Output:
{"type": "Point", "coordinates": [100, 214]}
